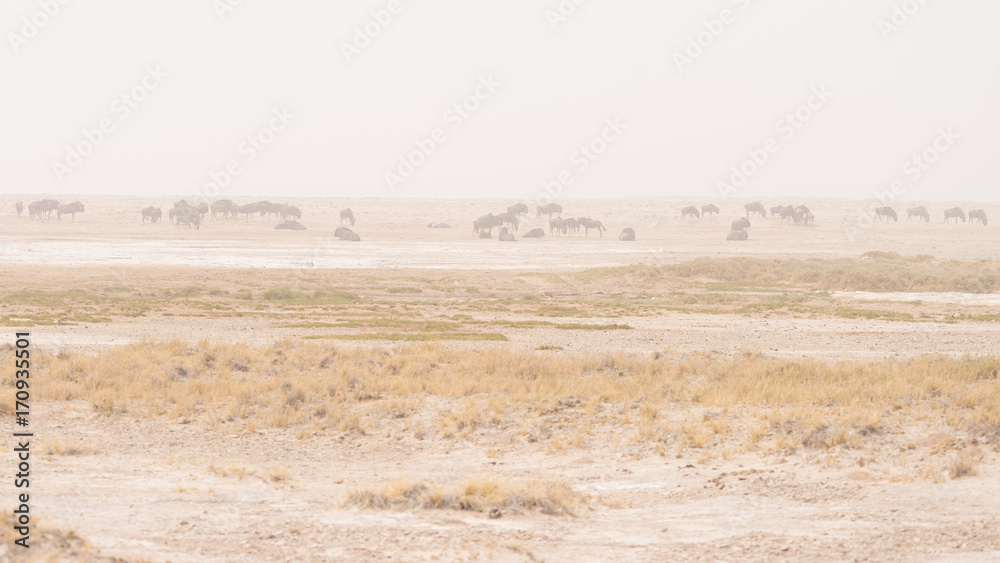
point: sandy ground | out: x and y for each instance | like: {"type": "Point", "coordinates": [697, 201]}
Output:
{"type": "Point", "coordinates": [151, 491]}
{"type": "Point", "coordinates": [829, 339]}
{"type": "Point", "coordinates": [148, 490]}
{"type": "Point", "coordinates": [394, 234]}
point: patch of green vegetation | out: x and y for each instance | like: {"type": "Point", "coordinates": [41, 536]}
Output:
{"type": "Point", "coordinates": [331, 295]}
{"type": "Point", "coordinates": [874, 314]}
{"type": "Point", "coordinates": [243, 294]}
{"type": "Point", "coordinates": [51, 299]}
{"type": "Point", "coordinates": [117, 289]}
{"type": "Point", "coordinates": [872, 271]}
{"type": "Point", "coordinates": [561, 311]}
{"type": "Point", "coordinates": [282, 294]}
{"type": "Point", "coordinates": [186, 291]}
{"type": "Point", "coordinates": [404, 290]}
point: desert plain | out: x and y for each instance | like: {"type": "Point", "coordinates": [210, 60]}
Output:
{"type": "Point", "coordinates": [823, 392]}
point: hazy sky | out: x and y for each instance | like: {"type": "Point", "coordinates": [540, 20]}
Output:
{"type": "Point", "coordinates": [624, 98]}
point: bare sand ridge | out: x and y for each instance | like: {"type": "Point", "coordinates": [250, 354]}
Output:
{"type": "Point", "coordinates": [653, 479]}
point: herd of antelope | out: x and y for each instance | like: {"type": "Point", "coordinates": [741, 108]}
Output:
{"type": "Point", "coordinates": [511, 219]}
{"type": "Point", "coordinates": [797, 214]}
{"type": "Point", "coordinates": [976, 216]}
{"type": "Point", "coordinates": [37, 209]}
{"type": "Point", "coordinates": [507, 222]}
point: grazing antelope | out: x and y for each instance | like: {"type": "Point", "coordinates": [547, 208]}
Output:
{"type": "Point", "coordinates": [70, 209]}
{"type": "Point", "coordinates": [755, 207]}
{"type": "Point", "coordinates": [919, 212]}
{"type": "Point", "coordinates": [690, 211]}
{"type": "Point", "coordinates": [955, 213]}
{"type": "Point", "coordinates": [883, 214]}
{"type": "Point", "coordinates": [977, 215]}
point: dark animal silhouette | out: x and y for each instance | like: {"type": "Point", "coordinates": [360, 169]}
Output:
{"type": "Point", "coordinates": [343, 233]}
{"type": "Point", "coordinates": [588, 224]}
{"type": "Point", "coordinates": [347, 215]}
{"type": "Point", "coordinates": [248, 210]}
{"type": "Point", "coordinates": [627, 234]}
{"type": "Point", "coordinates": [547, 209]}
{"type": "Point", "coordinates": [518, 209]}
{"type": "Point", "coordinates": [776, 210]}
{"type": "Point", "coordinates": [223, 206]}
{"type": "Point", "coordinates": [883, 214]}
{"type": "Point", "coordinates": [151, 215]}
{"type": "Point", "coordinates": [175, 212]}
{"type": "Point", "coordinates": [572, 226]}
{"type": "Point", "coordinates": [506, 236]}
{"type": "Point", "coordinates": [755, 207]}
{"type": "Point", "coordinates": [710, 208]}
{"type": "Point", "coordinates": [70, 209]}
{"type": "Point", "coordinates": [557, 225]}
{"type": "Point", "coordinates": [290, 225]}
{"type": "Point", "coordinates": [737, 234]}
{"type": "Point", "coordinates": [955, 213]}
{"type": "Point", "coordinates": [188, 217]}
{"type": "Point", "coordinates": [691, 211]}
{"type": "Point", "coordinates": [46, 206]}
{"type": "Point", "coordinates": [509, 220]}
{"type": "Point", "coordinates": [806, 215]}
{"type": "Point", "coordinates": [920, 212]}
{"type": "Point", "coordinates": [741, 224]}
{"type": "Point", "coordinates": [487, 222]}
{"type": "Point", "coordinates": [19, 206]}
{"type": "Point", "coordinates": [534, 233]}
{"type": "Point", "coordinates": [977, 215]}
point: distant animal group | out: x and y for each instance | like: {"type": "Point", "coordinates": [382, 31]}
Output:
{"type": "Point", "coordinates": [183, 213]}
{"type": "Point", "coordinates": [511, 220]}
{"type": "Point", "coordinates": [976, 216]}
{"type": "Point", "coordinates": [37, 209]}
{"type": "Point", "coordinates": [794, 214]}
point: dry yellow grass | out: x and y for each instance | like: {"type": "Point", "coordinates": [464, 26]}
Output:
{"type": "Point", "coordinates": [49, 544]}
{"type": "Point", "coordinates": [477, 495]}
{"type": "Point", "coordinates": [55, 446]}
{"type": "Point", "coordinates": [874, 271]}
{"type": "Point", "coordinates": [659, 403]}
